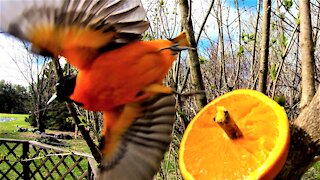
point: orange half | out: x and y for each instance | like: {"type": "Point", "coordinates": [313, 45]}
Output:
{"type": "Point", "coordinates": [206, 152]}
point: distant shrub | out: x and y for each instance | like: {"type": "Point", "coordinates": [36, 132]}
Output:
{"type": "Point", "coordinates": [31, 119]}
{"type": "Point", "coordinates": [56, 118]}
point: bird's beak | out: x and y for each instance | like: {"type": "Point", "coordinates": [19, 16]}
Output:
{"type": "Point", "coordinates": [54, 96]}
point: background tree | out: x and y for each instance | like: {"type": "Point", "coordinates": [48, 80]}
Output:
{"type": "Point", "coordinates": [307, 55]}
{"type": "Point", "coordinates": [41, 88]}
{"type": "Point", "coordinates": [264, 48]}
{"type": "Point", "coordinates": [38, 72]}
{"type": "Point", "coordinates": [194, 64]}
{"type": "Point", "coordinates": [13, 98]}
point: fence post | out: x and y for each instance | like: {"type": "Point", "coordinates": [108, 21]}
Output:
{"type": "Point", "coordinates": [92, 169]}
{"type": "Point", "coordinates": [25, 164]}
{"type": "Point", "coordinates": [89, 171]}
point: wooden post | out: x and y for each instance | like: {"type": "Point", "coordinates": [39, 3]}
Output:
{"type": "Point", "coordinates": [25, 164]}
{"type": "Point", "coordinates": [228, 125]}
{"type": "Point", "coordinates": [89, 171]}
{"type": "Point", "coordinates": [92, 169]}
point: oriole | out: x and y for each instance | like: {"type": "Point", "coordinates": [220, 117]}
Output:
{"type": "Point", "coordinates": [116, 71]}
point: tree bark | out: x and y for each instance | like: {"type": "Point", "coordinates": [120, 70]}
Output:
{"type": "Point", "coordinates": [252, 80]}
{"type": "Point", "coordinates": [307, 54]}
{"type": "Point", "coordinates": [305, 141]}
{"type": "Point", "coordinates": [240, 45]}
{"type": "Point", "coordinates": [264, 55]}
{"type": "Point", "coordinates": [196, 75]}
{"type": "Point", "coordinates": [223, 76]}
{"type": "Point", "coordinates": [40, 119]}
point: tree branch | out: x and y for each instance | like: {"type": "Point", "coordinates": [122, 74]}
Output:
{"type": "Point", "coordinates": [204, 21]}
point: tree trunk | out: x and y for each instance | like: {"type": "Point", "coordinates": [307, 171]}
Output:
{"type": "Point", "coordinates": [196, 75]}
{"type": "Point", "coordinates": [305, 141]}
{"type": "Point", "coordinates": [40, 118]}
{"type": "Point", "coordinates": [40, 124]}
{"type": "Point", "coordinates": [307, 54]}
{"type": "Point", "coordinates": [240, 45]}
{"type": "Point", "coordinates": [264, 55]}
{"type": "Point", "coordinates": [223, 76]}
{"type": "Point", "coordinates": [253, 78]}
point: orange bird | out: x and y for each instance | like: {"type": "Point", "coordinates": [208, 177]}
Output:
{"type": "Point", "coordinates": [116, 71]}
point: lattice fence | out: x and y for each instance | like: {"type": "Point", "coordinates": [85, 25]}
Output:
{"type": "Point", "coordinates": [33, 160]}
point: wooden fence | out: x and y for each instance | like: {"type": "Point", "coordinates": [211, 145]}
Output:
{"type": "Point", "coordinates": [21, 159]}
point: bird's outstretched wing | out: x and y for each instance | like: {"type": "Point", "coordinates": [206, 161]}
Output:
{"type": "Point", "coordinates": [53, 26]}
{"type": "Point", "coordinates": [142, 146]}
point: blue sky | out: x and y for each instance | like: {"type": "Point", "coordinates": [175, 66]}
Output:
{"type": "Point", "coordinates": [247, 7]}
{"type": "Point", "coordinates": [243, 3]}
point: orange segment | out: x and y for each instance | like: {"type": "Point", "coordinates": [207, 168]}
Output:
{"type": "Point", "coordinates": [206, 152]}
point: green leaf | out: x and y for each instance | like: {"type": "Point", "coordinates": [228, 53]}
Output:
{"type": "Point", "coordinates": [252, 37]}
{"type": "Point", "coordinates": [241, 51]}
{"type": "Point", "coordinates": [69, 119]}
{"type": "Point", "coordinates": [284, 40]}
{"type": "Point", "coordinates": [281, 100]}
{"type": "Point", "coordinates": [245, 38]}
{"type": "Point", "coordinates": [203, 60]}
{"type": "Point", "coordinates": [161, 3]}
{"type": "Point", "coordinates": [282, 16]}
{"type": "Point", "coordinates": [83, 124]}
{"type": "Point", "coordinates": [82, 118]}
{"type": "Point", "coordinates": [298, 19]}
{"type": "Point", "coordinates": [287, 4]}
{"type": "Point", "coordinates": [181, 114]}
{"type": "Point", "coordinates": [273, 72]}
{"type": "Point", "coordinates": [273, 26]}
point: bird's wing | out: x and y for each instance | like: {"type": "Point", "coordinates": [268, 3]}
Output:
{"type": "Point", "coordinates": [142, 146]}
{"type": "Point", "coordinates": [54, 25]}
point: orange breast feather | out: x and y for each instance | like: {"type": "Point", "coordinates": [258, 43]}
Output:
{"type": "Point", "coordinates": [117, 77]}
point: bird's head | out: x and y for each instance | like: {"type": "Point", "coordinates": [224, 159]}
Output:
{"type": "Point", "coordinates": [64, 89]}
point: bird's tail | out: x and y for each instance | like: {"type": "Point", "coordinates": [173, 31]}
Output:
{"type": "Point", "coordinates": [141, 147]}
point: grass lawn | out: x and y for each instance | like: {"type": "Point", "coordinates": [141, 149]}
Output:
{"type": "Point", "coordinates": [8, 130]}
{"type": "Point", "coordinates": [313, 173]}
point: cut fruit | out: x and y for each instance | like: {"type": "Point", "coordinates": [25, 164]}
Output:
{"type": "Point", "coordinates": [259, 152]}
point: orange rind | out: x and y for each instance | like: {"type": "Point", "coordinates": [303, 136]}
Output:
{"type": "Point", "coordinates": [207, 152]}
